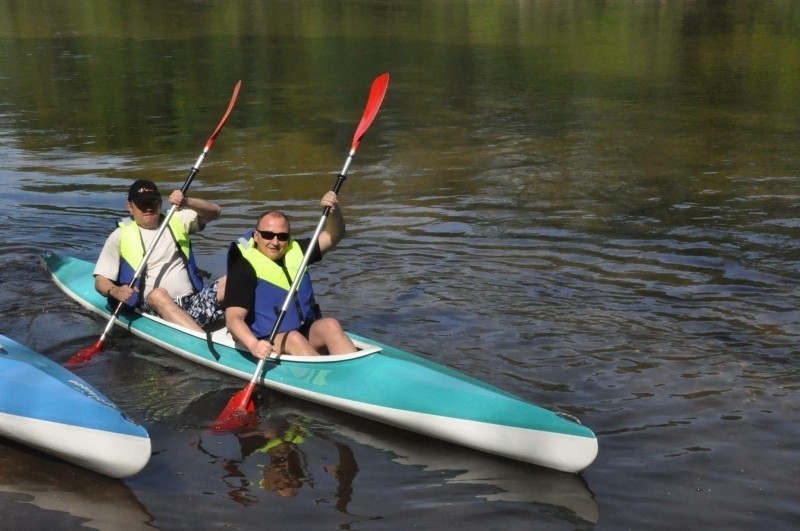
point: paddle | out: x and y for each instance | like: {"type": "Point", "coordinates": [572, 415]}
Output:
{"type": "Point", "coordinates": [237, 412]}
{"type": "Point", "coordinates": [87, 353]}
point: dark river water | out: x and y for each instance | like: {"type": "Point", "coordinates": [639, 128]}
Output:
{"type": "Point", "coordinates": [593, 205]}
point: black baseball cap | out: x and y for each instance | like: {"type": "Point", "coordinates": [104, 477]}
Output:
{"type": "Point", "coordinates": [143, 190]}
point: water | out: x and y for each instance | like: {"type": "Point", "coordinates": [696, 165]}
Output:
{"type": "Point", "coordinates": [591, 205]}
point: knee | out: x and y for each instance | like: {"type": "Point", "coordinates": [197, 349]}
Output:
{"type": "Point", "coordinates": [293, 343]}
{"type": "Point", "coordinates": [295, 339]}
{"type": "Point", "coordinates": [158, 297]}
{"type": "Point", "coordinates": [329, 324]}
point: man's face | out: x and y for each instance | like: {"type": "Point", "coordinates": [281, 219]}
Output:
{"type": "Point", "coordinates": [272, 236]}
{"type": "Point", "coordinates": [145, 213]}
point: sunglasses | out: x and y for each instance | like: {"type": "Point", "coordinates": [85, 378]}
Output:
{"type": "Point", "coordinates": [268, 235]}
{"type": "Point", "coordinates": [147, 205]}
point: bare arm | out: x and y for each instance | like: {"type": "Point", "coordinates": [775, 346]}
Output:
{"type": "Point", "coordinates": [334, 227]}
{"type": "Point", "coordinates": [235, 321]}
{"type": "Point", "coordinates": [107, 288]}
{"type": "Point", "coordinates": [206, 210]}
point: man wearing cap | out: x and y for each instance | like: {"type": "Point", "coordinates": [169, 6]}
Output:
{"type": "Point", "coordinates": [170, 284]}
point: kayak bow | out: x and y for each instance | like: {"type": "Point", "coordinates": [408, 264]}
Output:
{"type": "Point", "coordinates": [45, 406]}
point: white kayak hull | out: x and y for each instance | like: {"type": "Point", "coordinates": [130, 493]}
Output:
{"type": "Point", "coordinates": [45, 406]}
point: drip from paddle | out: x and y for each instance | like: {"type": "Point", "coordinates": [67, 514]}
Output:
{"type": "Point", "coordinates": [238, 412]}
{"type": "Point", "coordinates": [87, 353]}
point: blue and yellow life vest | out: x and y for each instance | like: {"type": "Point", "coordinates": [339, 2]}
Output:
{"type": "Point", "coordinates": [293, 435]}
{"type": "Point", "coordinates": [132, 250]}
{"type": "Point", "coordinates": [273, 285]}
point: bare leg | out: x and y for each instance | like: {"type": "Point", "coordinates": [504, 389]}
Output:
{"type": "Point", "coordinates": [221, 289]}
{"type": "Point", "coordinates": [162, 303]}
{"type": "Point", "coordinates": [294, 344]}
{"type": "Point", "coordinates": [327, 336]}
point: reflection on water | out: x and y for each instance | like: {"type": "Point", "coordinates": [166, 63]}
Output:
{"type": "Point", "coordinates": [285, 471]}
{"type": "Point", "coordinates": [279, 455]}
{"type": "Point", "coordinates": [277, 448]}
{"type": "Point", "coordinates": [509, 481]}
{"type": "Point", "coordinates": [93, 501]}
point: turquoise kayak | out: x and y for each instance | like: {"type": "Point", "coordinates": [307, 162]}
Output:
{"type": "Point", "coordinates": [378, 382]}
{"type": "Point", "coordinates": [45, 406]}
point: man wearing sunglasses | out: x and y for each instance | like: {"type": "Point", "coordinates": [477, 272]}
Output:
{"type": "Point", "coordinates": [170, 285]}
{"type": "Point", "coordinates": [261, 268]}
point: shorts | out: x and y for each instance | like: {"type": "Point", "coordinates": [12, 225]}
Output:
{"type": "Point", "coordinates": [202, 306]}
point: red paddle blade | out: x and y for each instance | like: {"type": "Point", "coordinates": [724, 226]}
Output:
{"type": "Point", "coordinates": [376, 94]}
{"type": "Point", "coordinates": [238, 413]}
{"type": "Point", "coordinates": [224, 120]}
{"type": "Point", "coordinates": [84, 355]}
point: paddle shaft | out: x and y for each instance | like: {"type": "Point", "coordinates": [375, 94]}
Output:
{"type": "Point", "coordinates": [296, 282]}
{"type": "Point", "coordinates": [195, 169]}
{"type": "Point", "coordinates": [320, 227]}
{"type": "Point", "coordinates": [150, 249]}
{"type": "Point", "coordinates": [377, 92]}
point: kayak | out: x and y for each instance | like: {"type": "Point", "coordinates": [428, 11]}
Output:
{"type": "Point", "coordinates": [45, 406]}
{"type": "Point", "coordinates": [378, 382]}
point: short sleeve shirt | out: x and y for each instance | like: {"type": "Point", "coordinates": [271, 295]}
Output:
{"type": "Point", "coordinates": [165, 267]}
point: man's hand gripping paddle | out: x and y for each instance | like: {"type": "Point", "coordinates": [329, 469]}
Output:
{"type": "Point", "coordinates": [87, 353]}
{"type": "Point", "coordinates": [237, 413]}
